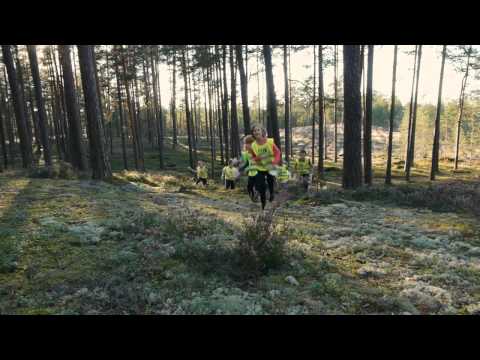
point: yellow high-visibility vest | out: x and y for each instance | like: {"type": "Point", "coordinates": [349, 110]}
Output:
{"type": "Point", "coordinates": [202, 172]}
{"type": "Point", "coordinates": [283, 174]}
{"type": "Point", "coordinates": [266, 152]}
{"type": "Point", "coordinates": [230, 173]}
{"type": "Point", "coordinates": [247, 157]}
{"type": "Point", "coordinates": [303, 167]}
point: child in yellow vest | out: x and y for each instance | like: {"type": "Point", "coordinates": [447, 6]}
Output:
{"type": "Point", "coordinates": [247, 166]}
{"type": "Point", "coordinates": [230, 174]}
{"type": "Point", "coordinates": [283, 175]}
{"type": "Point", "coordinates": [303, 169]}
{"type": "Point", "coordinates": [201, 173]}
{"type": "Point", "coordinates": [267, 155]}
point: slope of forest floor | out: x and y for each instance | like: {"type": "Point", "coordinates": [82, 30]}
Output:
{"type": "Point", "coordinates": [156, 244]}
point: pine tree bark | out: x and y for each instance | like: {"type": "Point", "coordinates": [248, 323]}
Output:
{"type": "Point", "coordinates": [131, 113]}
{"type": "Point", "coordinates": [77, 156]}
{"type": "Point", "coordinates": [436, 136]}
{"type": "Point", "coordinates": [271, 97]}
{"type": "Point", "coordinates": [8, 122]}
{"type": "Point", "coordinates": [321, 114]}
{"type": "Point", "coordinates": [99, 159]}
{"type": "Point", "coordinates": [314, 102]}
{"type": "Point", "coordinates": [18, 103]}
{"type": "Point", "coordinates": [187, 109]}
{"type": "Point", "coordinates": [410, 109]}
{"type": "Point", "coordinates": [243, 90]}
{"type": "Point", "coordinates": [21, 82]}
{"type": "Point", "coordinates": [2, 140]}
{"type": "Point", "coordinates": [42, 115]}
{"type": "Point", "coordinates": [411, 149]}
{"type": "Point", "coordinates": [192, 108]}
{"type": "Point", "coordinates": [174, 100]}
{"type": "Point", "coordinates": [219, 110]}
{"type": "Point", "coordinates": [388, 175]}
{"type": "Point", "coordinates": [233, 106]}
{"type": "Point", "coordinates": [225, 104]}
{"type": "Point", "coordinates": [148, 104]}
{"type": "Point", "coordinates": [460, 111]}
{"type": "Point", "coordinates": [352, 160]}
{"type": "Point", "coordinates": [335, 107]}
{"type": "Point", "coordinates": [121, 115]}
{"type": "Point", "coordinates": [287, 104]}
{"type": "Point", "coordinates": [157, 110]}
{"type": "Point", "coordinates": [367, 132]}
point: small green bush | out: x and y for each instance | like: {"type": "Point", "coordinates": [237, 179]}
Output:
{"type": "Point", "coordinates": [262, 244]}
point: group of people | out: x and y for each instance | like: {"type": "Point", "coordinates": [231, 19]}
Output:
{"type": "Point", "coordinates": [262, 162]}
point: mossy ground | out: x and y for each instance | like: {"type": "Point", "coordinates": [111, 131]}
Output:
{"type": "Point", "coordinates": [157, 244]}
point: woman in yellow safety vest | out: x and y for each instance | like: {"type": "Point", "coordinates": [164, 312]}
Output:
{"type": "Point", "coordinates": [265, 155]}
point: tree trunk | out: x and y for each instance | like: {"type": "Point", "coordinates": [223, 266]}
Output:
{"type": "Point", "coordinates": [157, 111]}
{"type": "Point", "coordinates": [132, 115]}
{"type": "Point", "coordinates": [18, 103]}
{"type": "Point", "coordinates": [138, 120]}
{"type": "Point", "coordinates": [411, 152]}
{"type": "Point", "coordinates": [56, 111]}
{"type": "Point", "coordinates": [98, 155]}
{"type": "Point", "coordinates": [192, 109]}
{"type": "Point", "coordinates": [187, 110]}
{"type": "Point", "coordinates": [410, 110]}
{"type": "Point", "coordinates": [73, 112]}
{"type": "Point", "coordinates": [42, 115]}
{"type": "Point", "coordinates": [321, 113]}
{"type": "Point", "coordinates": [122, 121]}
{"type": "Point", "coordinates": [148, 105]}
{"type": "Point", "coordinates": [335, 61]}
{"type": "Point", "coordinates": [21, 82]}
{"type": "Point", "coordinates": [291, 101]}
{"type": "Point", "coordinates": [367, 131]}
{"type": "Point", "coordinates": [210, 119]}
{"type": "Point", "coordinates": [287, 105]}
{"type": "Point", "coordinates": [2, 141]}
{"type": "Point", "coordinates": [8, 122]}
{"type": "Point", "coordinates": [352, 159]}
{"type": "Point", "coordinates": [388, 175]}
{"type": "Point", "coordinates": [225, 104]}
{"type": "Point", "coordinates": [243, 90]}
{"type": "Point", "coordinates": [460, 112]}
{"type": "Point", "coordinates": [314, 102]}
{"type": "Point", "coordinates": [271, 97]}
{"type": "Point", "coordinates": [233, 105]}
{"type": "Point", "coordinates": [259, 120]}
{"type": "Point", "coordinates": [219, 110]}
{"type": "Point", "coordinates": [436, 137]}
{"type": "Point", "coordinates": [161, 120]}
{"type": "Point", "coordinates": [174, 100]}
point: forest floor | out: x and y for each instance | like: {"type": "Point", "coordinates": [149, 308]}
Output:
{"type": "Point", "coordinates": [155, 243]}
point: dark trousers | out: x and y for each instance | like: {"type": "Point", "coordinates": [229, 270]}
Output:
{"type": "Point", "coordinates": [230, 184]}
{"type": "Point", "coordinates": [261, 188]}
{"type": "Point", "coordinates": [305, 180]}
{"type": "Point", "coordinates": [204, 181]}
{"type": "Point", "coordinates": [251, 185]}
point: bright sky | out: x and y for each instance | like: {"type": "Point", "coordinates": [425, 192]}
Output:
{"type": "Point", "coordinates": [382, 76]}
